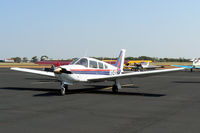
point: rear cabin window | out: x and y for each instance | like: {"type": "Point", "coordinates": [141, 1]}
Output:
{"type": "Point", "coordinates": [83, 62]}
{"type": "Point", "coordinates": [93, 64]}
{"type": "Point", "coordinates": [100, 65]}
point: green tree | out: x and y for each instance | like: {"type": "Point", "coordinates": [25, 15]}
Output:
{"type": "Point", "coordinates": [34, 59]}
{"type": "Point", "coordinates": [44, 57]}
{"type": "Point", "coordinates": [25, 59]}
{"type": "Point", "coordinates": [17, 59]}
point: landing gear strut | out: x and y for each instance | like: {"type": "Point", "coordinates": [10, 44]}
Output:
{"type": "Point", "coordinates": [116, 87]}
{"type": "Point", "coordinates": [64, 88]}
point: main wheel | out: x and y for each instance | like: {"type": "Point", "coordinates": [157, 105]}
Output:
{"type": "Point", "coordinates": [114, 89]}
{"type": "Point", "coordinates": [62, 91]}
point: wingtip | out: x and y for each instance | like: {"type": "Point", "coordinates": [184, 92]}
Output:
{"type": "Point", "coordinates": [14, 68]}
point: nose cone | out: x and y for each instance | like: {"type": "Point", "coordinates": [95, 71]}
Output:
{"type": "Point", "coordinates": [61, 70]}
{"type": "Point", "coordinates": [58, 70]}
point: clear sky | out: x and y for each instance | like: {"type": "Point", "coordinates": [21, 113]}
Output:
{"type": "Point", "coordinates": [74, 28]}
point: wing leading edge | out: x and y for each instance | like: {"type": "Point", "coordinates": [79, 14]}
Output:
{"type": "Point", "coordinates": [134, 74]}
{"type": "Point", "coordinates": [51, 74]}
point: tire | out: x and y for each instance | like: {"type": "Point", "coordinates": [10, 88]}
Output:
{"type": "Point", "coordinates": [114, 89]}
{"type": "Point", "coordinates": [63, 90]}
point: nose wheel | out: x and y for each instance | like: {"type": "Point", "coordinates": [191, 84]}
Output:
{"type": "Point", "coordinates": [64, 88]}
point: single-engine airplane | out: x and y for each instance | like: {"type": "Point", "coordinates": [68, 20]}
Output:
{"type": "Point", "coordinates": [92, 70]}
{"type": "Point", "coordinates": [141, 66]}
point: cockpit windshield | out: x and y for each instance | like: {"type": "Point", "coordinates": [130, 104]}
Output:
{"type": "Point", "coordinates": [83, 62]}
{"type": "Point", "coordinates": [74, 61]}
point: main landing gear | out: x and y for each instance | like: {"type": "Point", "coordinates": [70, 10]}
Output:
{"type": "Point", "coordinates": [64, 88]}
{"type": "Point", "coordinates": [116, 87]}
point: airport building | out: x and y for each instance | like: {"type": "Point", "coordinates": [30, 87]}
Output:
{"type": "Point", "coordinates": [9, 60]}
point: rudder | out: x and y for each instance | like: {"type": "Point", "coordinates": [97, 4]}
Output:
{"type": "Point", "coordinates": [120, 61]}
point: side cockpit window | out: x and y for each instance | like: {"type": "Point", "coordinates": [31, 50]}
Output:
{"type": "Point", "coordinates": [93, 64]}
{"type": "Point", "coordinates": [83, 62]}
{"type": "Point", "coordinates": [100, 65]}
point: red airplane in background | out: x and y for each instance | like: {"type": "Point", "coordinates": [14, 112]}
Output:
{"type": "Point", "coordinates": [55, 63]}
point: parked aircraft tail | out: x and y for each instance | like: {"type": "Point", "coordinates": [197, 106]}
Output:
{"type": "Point", "coordinates": [120, 61]}
{"type": "Point", "coordinates": [148, 63]}
{"type": "Point", "coordinates": [196, 62]}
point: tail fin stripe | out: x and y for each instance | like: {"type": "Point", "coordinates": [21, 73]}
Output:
{"type": "Point", "coordinates": [120, 61]}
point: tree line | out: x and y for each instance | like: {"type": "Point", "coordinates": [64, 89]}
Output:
{"type": "Point", "coordinates": [154, 59]}
{"type": "Point", "coordinates": [33, 59]}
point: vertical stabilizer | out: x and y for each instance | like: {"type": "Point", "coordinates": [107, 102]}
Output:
{"type": "Point", "coordinates": [148, 63]}
{"type": "Point", "coordinates": [120, 61]}
{"type": "Point", "coordinates": [196, 62]}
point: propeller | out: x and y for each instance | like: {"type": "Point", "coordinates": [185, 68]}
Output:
{"type": "Point", "coordinates": [60, 70]}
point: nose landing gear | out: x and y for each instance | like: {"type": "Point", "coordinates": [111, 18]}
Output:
{"type": "Point", "coordinates": [64, 88]}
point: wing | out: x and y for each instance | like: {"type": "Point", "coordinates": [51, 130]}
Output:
{"type": "Point", "coordinates": [51, 74]}
{"type": "Point", "coordinates": [182, 66]}
{"type": "Point", "coordinates": [133, 74]}
{"type": "Point", "coordinates": [151, 67]}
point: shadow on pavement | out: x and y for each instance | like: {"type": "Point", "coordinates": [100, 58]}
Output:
{"type": "Point", "coordinates": [95, 90]}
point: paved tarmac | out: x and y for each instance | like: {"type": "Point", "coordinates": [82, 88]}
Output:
{"type": "Point", "coordinates": [168, 103]}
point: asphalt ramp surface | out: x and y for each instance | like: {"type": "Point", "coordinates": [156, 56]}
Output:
{"type": "Point", "coordinates": [168, 103]}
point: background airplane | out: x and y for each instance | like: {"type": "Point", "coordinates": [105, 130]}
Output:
{"type": "Point", "coordinates": [92, 70]}
{"type": "Point", "coordinates": [140, 66]}
{"type": "Point", "coordinates": [195, 64]}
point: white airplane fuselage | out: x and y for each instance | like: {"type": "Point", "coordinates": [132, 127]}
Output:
{"type": "Point", "coordinates": [81, 72]}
